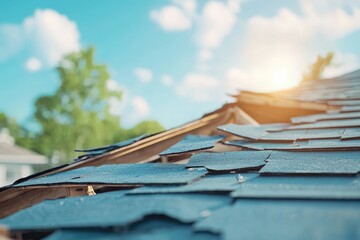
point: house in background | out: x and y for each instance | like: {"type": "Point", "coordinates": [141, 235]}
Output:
{"type": "Point", "coordinates": [15, 162]}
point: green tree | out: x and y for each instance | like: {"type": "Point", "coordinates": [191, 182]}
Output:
{"type": "Point", "coordinates": [144, 127]}
{"type": "Point", "coordinates": [77, 115]}
{"type": "Point", "coordinates": [317, 68]}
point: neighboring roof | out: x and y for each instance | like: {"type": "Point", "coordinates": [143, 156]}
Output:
{"type": "Point", "coordinates": [15, 154]}
{"type": "Point", "coordinates": [293, 180]}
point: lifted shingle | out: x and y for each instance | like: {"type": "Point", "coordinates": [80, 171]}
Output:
{"type": "Point", "coordinates": [147, 173]}
{"type": "Point", "coordinates": [246, 131]}
{"type": "Point", "coordinates": [193, 143]}
{"type": "Point", "coordinates": [326, 166]}
{"type": "Point", "coordinates": [105, 210]}
{"type": "Point", "coordinates": [211, 183]}
{"type": "Point", "coordinates": [239, 160]}
{"type": "Point", "coordinates": [325, 116]}
{"type": "Point", "coordinates": [328, 124]}
{"type": "Point", "coordinates": [299, 187]}
{"type": "Point", "coordinates": [298, 145]}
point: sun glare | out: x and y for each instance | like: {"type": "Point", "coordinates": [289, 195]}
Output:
{"type": "Point", "coordinates": [281, 78]}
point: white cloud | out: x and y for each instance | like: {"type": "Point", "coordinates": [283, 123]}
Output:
{"type": "Point", "coordinates": [171, 18]}
{"type": "Point", "coordinates": [141, 108]}
{"type": "Point", "coordinates": [284, 45]}
{"type": "Point", "coordinates": [132, 110]}
{"type": "Point", "coordinates": [341, 64]}
{"type": "Point", "coordinates": [330, 18]}
{"type": "Point", "coordinates": [167, 80]}
{"type": "Point", "coordinates": [205, 55]}
{"type": "Point", "coordinates": [47, 36]}
{"type": "Point", "coordinates": [199, 87]}
{"type": "Point", "coordinates": [189, 6]}
{"type": "Point", "coordinates": [215, 23]}
{"type": "Point", "coordinates": [143, 74]}
{"type": "Point", "coordinates": [117, 106]}
{"type": "Point", "coordinates": [33, 64]}
{"type": "Point", "coordinates": [236, 79]}
{"type": "Point", "coordinates": [112, 85]}
{"type": "Point", "coordinates": [52, 35]}
{"type": "Point", "coordinates": [234, 5]}
{"type": "Point", "coordinates": [212, 24]}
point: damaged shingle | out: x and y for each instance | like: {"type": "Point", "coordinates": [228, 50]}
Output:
{"type": "Point", "coordinates": [211, 183]}
{"type": "Point", "coordinates": [239, 160]}
{"type": "Point", "coordinates": [284, 219]}
{"type": "Point", "coordinates": [293, 135]}
{"type": "Point", "coordinates": [110, 210]}
{"type": "Point", "coordinates": [328, 124]}
{"type": "Point", "coordinates": [318, 117]}
{"type": "Point", "coordinates": [345, 102]}
{"type": "Point", "coordinates": [298, 145]}
{"type": "Point", "coordinates": [174, 233]}
{"type": "Point", "coordinates": [351, 133]}
{"type": "Point", "coordinates": [147, 173]}
{"type": "Point", "coordinates": [246, 131]}
{"type": "Point", "coordinates": [314, 155]}
{"type": "Point", "coordinates": [328, 166]}
{"type": "Point", "coordinates": [350, 108]}
{"type": "Point", "coordinates": [258, 145]}
{"type": "Point", "coordinates": [101, 150]}
{"type": "Point", "coordinates": [299, 187]}
{"type": "Point", "coordinates": [193, 143]}
{"type": "Point", "coordinates": [281, 135]}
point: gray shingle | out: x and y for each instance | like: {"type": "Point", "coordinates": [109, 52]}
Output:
{"type": "Point", "coordinates": [173, 233]}
{"type": "Point", "coordinates": [259, 133]}
{"type": "Point", "coordinates": [193, 143]}
{"type": "Point", "coordinates": [314, 155]}
{"type": "Point", "coordinates": [298, 145]}
{"type": "Point", "coordinates": [284, 219]}
{"type": "Point", "coordinates": [147, 173]}
{"type": "Point", "coordinates": [324, 116]}
{"type": "Point", "coordinates": [211, 183]}
{"type": "Point", "coordinates": [295, 187]}
{"type": "Point", "coordinates": [114, 146]}
{"type": "Point", "coordinates": [111, 210]}
{"type": "Point", "coordinates": [351, 133]}
{"type": "Point", "coordinates": [328, 124]}
{"type": "Point", "coordinates": [102, 150]}
{"type": "Point", "coordinates": [328, 166]}
{"type": "Point", "coordinates": [246, 131]}
{"type": "Point", "coordinates": [350, 108]}
{"type": "Point", "coordinates": [241, 160]}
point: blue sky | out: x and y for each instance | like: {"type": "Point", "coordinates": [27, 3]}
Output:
{"type": "Point", "coordinates": [174, 59]}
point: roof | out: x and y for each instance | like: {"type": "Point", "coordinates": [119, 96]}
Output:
{"type": "Point", "coordinates": [220, 177]}
{"type": "Point", "coordinates": [15, 154]}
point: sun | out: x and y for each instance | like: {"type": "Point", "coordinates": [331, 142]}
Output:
{"type": "Point", "coordinates": [282, 78]}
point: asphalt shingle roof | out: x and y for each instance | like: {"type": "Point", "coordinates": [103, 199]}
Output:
{"type": "Point", "coordinates": [296, 180]}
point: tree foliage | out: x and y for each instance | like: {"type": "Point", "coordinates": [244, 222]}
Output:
{"type": "Point", "coordinates": [144, 127]}
{"type": "Point", "coordinates": [317, 68]}
{"type": "Point", "coordinates": [77, 115]}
